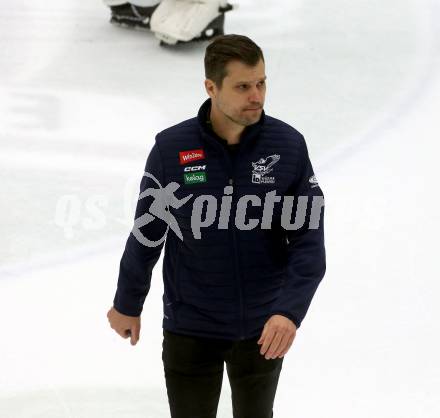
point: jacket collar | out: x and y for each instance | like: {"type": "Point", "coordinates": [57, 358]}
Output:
{"type": "Point", "coordinates": [249, 135]}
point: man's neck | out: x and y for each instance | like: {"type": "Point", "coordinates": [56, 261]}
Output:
{"type": "Point", "coordinates": [225, 128]}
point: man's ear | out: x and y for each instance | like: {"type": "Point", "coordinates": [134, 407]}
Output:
{"type": "Point", "coordinates": [210, 88]}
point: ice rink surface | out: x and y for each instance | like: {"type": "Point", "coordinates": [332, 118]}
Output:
{"type": "Point", "coordinates": [80, 104]}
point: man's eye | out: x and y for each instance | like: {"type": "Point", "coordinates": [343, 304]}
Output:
{"type": "Point", "coordinates": [242, 86]}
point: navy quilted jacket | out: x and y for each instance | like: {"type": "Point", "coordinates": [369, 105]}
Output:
{"type": "Point", "coordinates": [227, 282]}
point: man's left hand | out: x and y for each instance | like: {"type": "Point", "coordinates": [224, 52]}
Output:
{"type": "Point", "coordinates": [277, 337]}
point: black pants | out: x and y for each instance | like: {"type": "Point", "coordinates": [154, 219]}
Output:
{"type": "Point", "coordinates": [193, 369]}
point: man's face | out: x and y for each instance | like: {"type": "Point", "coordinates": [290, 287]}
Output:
{"type": "Point", "coordinates": [241, 97]}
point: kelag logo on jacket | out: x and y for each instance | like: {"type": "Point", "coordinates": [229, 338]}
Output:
{"type": "Point", "coordinates": [197, 177]}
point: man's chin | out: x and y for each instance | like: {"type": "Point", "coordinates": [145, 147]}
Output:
{"type": "Point", "coordinates": [252, 117]}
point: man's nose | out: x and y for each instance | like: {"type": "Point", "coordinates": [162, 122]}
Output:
{"type": "Point", "coordinates": [256, 96]}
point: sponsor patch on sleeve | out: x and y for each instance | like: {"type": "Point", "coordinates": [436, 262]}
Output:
{"type": "Point", "coordinates": [313, 181]}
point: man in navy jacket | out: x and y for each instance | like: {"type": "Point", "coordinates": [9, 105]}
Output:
{"type": "Point", "coordinates": [245, 253]}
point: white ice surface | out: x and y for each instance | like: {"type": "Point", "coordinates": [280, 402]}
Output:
{"type": "Point", "coordinates": [80, 103]}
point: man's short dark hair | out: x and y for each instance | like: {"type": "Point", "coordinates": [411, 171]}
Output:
{"type": "Point", "coordinates": [226, 48]}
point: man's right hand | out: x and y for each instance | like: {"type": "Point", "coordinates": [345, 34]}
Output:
{"type": "Point", "coordinates": [126, 326]}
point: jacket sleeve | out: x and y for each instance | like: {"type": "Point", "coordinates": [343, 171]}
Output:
{"type": "Point", "coordinates": [138, 259]}
{"type": "Point", "coordinates": [306, 262]}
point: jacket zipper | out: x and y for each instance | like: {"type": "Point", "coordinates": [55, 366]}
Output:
{"type": "Point", "coordinates": [236, 266]}
{"type": "Point", "coordinates": [230, 171]}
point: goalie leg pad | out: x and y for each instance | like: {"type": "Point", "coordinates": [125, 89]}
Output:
{"type": "Point", "coordinates": [176, 21]}
{"type": "Point", "coordinates": [131, 16]}
{"type": "Point", "coordinates": [215, 28]}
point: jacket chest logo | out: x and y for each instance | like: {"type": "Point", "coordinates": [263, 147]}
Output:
{"type": "Point", "coordinates": [195, 177]}
{"type": "Point", "coordinates": [191, 155]}
{"type": "Point", "coordinates": [262, 167]}
{"type": "Point", "coordinates": [194, 174]}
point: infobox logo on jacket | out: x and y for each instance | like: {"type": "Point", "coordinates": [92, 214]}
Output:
{"type": "Point", "coordinates": [228, 281]}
